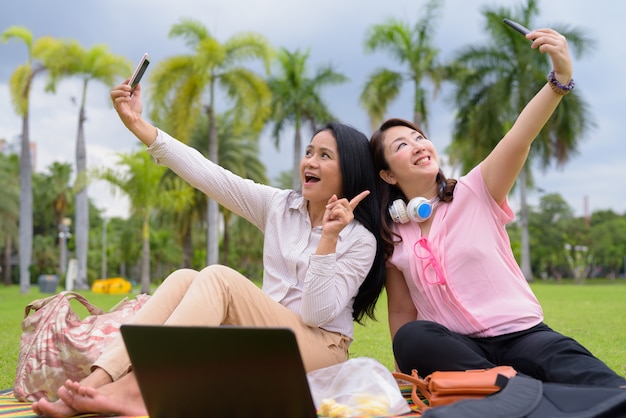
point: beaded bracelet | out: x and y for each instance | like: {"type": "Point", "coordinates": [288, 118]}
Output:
{"type": "Point", "coordinates": [559, 88]}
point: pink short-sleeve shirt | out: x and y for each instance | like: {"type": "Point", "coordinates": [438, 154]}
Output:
{"type": "Point", "coordinates": [485, 293]}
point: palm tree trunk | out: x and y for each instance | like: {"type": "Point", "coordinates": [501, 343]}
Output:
{"type": "Point", "coordinates": [26, 208]}
{"type": "Point", "coordinates": [212, 232]}
{"type": "Point", "coordinates": [419, 120]}
{"type": "Point", "coordinates": [525, 262]}
{"type": "Point", "coordinates": [212, 209]}
{"type": "Point", "coordinates": [226, 238]}
{"type": "Point", "coordinates": [297, 155]}
{"type": "Point", "coordinates": [82, 205]}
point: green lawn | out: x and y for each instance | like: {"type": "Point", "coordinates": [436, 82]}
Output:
{"type": "Point", "coordinates": [594, 314]}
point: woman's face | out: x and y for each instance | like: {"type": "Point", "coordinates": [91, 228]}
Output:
{"type": "Point", "coordinates": [412, 159]}
{"type": "Point", "coordinates": [319, 169]}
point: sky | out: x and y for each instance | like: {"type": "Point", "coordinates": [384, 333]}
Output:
{"type": "Point", "coordinates": [334, 33]}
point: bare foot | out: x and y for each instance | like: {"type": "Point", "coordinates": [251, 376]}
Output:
{"type": "Point", "coordinates": [119, 398]}
{"type": "Point", "coordinates": [58, 408]}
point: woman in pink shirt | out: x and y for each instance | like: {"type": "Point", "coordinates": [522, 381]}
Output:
{"type": "Point", "coordinates": [457, 298]}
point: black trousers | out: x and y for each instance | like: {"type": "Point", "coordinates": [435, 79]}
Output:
{"type": "Point", "coordinates": [538, 352]}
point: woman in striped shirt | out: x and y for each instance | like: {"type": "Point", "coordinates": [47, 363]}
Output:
{"type": "Point", "coordinates": [322, 259]}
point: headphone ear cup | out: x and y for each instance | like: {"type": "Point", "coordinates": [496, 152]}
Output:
{"type": "Point", "coordinates": [419, 209]}
{"type": "Point", "coordinates": [397, 211]}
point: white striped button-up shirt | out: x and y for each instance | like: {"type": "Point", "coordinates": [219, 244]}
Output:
{"type": "Point", "coordinates": [320, 288]}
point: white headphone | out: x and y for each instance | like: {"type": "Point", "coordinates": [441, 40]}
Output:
{"type": "Point", "coordinates": [418, 210]}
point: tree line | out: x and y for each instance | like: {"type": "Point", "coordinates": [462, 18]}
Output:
{"type": "Point", "coordinates": [211, 98]}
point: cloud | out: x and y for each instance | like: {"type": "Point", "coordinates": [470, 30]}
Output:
{"type": "Point", "coordinates": [334, 31]}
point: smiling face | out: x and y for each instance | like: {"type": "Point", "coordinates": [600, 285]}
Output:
{"type": "Point", "coordinates": [319, 169]}
{"type": "Point", "coordinates": [412, 160]}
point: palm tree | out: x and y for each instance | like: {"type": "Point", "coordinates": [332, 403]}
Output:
{"type": "Point", "coordinates": [183, 85]}
{"type": "Point", "coordinates": [9, 209]}
{"type": "Point", "coordinates": [59, 183]}
{"type": "Point", "coordinates": [97, 64]}
{"type": "Point", "coordinates": [297, 98]}
{"type": "Point", "coordinates": [140, 179]}
{"type": "Point", "coordinates": [246, 250]}
{"type": "Point", "coordinates": [500, 78]}
{"type": "Point", "coordinates": [59, 187]}
{"type": "Point", "coordinates": [411, 47]}
{"type": "Point", "coordinates": [184, 218]}
{"type": "Point", "coordinates": [238, 153]}
{"type": "Point", "coordinates": [20, 84]}
{"type": "Point", "coordinates": [121, 244]}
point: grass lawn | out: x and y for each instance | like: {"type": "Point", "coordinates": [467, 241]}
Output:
{"type": "Point", "coordinates": [594, 314]}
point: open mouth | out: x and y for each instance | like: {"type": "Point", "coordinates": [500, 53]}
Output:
{"type": "Point", "coordinates": [310, 178]}
{"type": "Point", "coordinates": [422, 161]}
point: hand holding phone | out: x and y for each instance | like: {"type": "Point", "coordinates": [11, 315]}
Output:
{"type": "Point", "coordinates": [521, 29]}
{"type": "Point", "coordinates": [139, 71]}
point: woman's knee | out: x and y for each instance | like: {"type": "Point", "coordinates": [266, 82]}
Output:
{"type": "Point", "coordinates": [418, 338]}
{"type": "Point", "coordinates": [420, 331]}
{"type": "Point", "coordinates": [179, 279]}
{"type": "Point", "coordinates": [221, 276]}
{"type": "Point", "coordinates": [219, 272]}
{"type": "Point", "coordinates": [186, 277]}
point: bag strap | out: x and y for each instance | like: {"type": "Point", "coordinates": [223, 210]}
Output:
{"type": "Point", "coordinates": [500, 375]}
{"type": "Point", "coordinates": [418, 384]}
{"type": "Point", "coordinates": [40, 303]}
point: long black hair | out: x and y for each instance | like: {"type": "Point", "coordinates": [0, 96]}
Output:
{"type": "Point", "coordinates": [387, 192]}
{"type": "Point", "coordinates": [358, 174]}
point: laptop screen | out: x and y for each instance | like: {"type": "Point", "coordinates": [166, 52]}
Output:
{"type": "Point", "coordinates": [223, 371]}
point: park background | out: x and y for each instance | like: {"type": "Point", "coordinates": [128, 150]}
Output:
{"type": "Point", "coordinates": [577, 224]}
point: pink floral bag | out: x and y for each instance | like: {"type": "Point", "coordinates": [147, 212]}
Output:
{"type": "Point", "coordinates": [57, 345]}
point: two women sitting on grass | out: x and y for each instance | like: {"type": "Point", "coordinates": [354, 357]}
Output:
{"type": "Point", "coordinates": [457, 298]}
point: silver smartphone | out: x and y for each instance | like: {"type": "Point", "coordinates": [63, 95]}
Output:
{"type": "Point", "coordinates": [521, 29]}
{"type": "Point", "coordinates": [139, 71]}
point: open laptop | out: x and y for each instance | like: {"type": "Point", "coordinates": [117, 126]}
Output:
{"type": "Point", "coordinates": [219, 371]}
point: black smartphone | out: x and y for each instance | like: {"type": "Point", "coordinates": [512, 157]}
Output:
{"type": "Point", "coordinates": [521, 29]}
{"type": "Point", "coordinates": [139, 71]}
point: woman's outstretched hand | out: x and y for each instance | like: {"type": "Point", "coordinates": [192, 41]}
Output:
{"type": "Point", "coordinates": [553, 43]}
{"type": "Point", "coordinates": [129, 108]}
{"type": "Point", "coordinates": [502, 166]}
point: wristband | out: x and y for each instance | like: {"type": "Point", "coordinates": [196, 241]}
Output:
{"type": "Point", "coordinates": [559, 88]}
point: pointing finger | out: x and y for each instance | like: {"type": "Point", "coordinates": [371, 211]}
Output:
{"type": "Point", "coordinates": [358, 198]}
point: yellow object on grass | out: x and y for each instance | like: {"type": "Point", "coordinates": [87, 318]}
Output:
{"type": "Point", "coordinates": [113, 286]}
{"type": "Point", "coordinates": [99, 286]}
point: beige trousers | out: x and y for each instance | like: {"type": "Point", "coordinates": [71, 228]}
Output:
{"type": "Point", "coordinates": [220, 295]}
